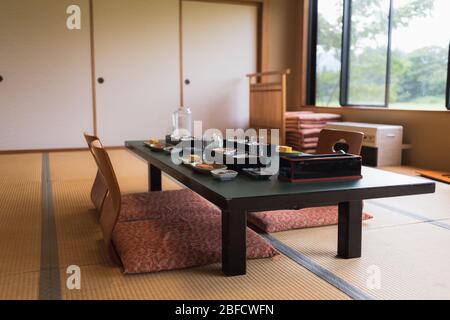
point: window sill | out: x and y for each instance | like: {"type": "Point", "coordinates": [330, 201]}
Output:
{"type": "Point", "coordinates": [362, 108]}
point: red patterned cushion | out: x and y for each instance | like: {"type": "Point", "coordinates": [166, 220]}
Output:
{"type": "Point", "coordinates": [178, 239]}
{"type": "Point", "coordinates": [142, 206]}
{"type": "Point", "coordinates": [278, 221]}
{"type": "Point", "coordinates": [311, 117]}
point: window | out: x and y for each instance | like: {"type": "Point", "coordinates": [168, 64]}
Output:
{"type": "Point", "coordinates": [380, 53]}
{"type": "Point", "coordinates": [328, 66]}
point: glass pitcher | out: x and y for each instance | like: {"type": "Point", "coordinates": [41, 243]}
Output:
{"type": "Point", "coordinates": [182, 123]}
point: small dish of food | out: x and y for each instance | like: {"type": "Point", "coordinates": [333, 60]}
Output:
{"type": "Point", "coordinates": [207, 168]}
{"type": "Point", "coordinates": [191, 159]}
{"type": "Point", "coordinates": [169, 149]}
{"type": "Point", "coordinates": [224, 175]}
{"type": "Point", "coordinates": [288, 152]}
{"type": "Point", "coordinates": [157, 147]}
{"type": "Point", "coordinates": [225, 151]}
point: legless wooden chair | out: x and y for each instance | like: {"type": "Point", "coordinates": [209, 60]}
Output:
{"type": "Point", "coordinates": [115, 210]}
{"type": "Point", "coordinates": [328, 139]}
{"type": "Point", "coordinates": [99, 188]}
{"type": "Point", "coordinates": [184, 235]}
{"type": "Point", "coordinates": [112, 204]}
{"type": "Point", "coordinates": [139, 205]}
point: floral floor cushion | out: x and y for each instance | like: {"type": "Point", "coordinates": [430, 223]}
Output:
{"type": "Point", "coordinates": [285, 220]}
{"type": "Point", "coordinates": [141, 206]}
{"type": "Point", "coordinates": [178, 239]}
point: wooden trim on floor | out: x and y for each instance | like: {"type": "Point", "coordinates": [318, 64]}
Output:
{"type": "Point", "coordinates": [314, 267]}
{"type": "Point", "coordinates": [9, 152]}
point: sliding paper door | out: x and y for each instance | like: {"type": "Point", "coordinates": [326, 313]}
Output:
{"type": "Point", "coordinates": [219, 49]}
{"type": "Point", "coordinates": [137, 68]}
{"type": "Point", "coordinates": [45, 87]}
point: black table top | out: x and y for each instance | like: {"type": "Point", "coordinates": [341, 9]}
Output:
{"type": "Point", "coordinates": [375, 183]}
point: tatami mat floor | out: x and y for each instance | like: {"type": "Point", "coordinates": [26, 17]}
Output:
{"type": "Point", "coordinates": [405, 251]}
{"type": "Point", "coordinates": [20, 225]}
{"type": "Point", "coordinates": [402, 247]}
{"type": "Point", "coordinates": [80, 243]}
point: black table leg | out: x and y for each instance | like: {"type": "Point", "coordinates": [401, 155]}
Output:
{"type": "Point", "coordinates": [234, 242]}
{"type": "Point", "coordinates": [154, 178]}
{"type": "Point", "coordinates": [350, 229]}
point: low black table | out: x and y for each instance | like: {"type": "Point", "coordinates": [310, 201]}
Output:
{"type": "Point", "coordinates": [238, 197]}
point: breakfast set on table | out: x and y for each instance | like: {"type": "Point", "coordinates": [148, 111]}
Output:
{"type": "Point", "coordinates": [307, 191]}
{"type": "Point", "coordinates": [254, 160]}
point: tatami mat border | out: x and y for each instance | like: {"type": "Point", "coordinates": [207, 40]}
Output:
{"type": "Point", "coordinates": [49, 282]}
{"type": "Point", "coordinates": [318, 270]}
{"type": "Point", "coordinates": [411, 214]}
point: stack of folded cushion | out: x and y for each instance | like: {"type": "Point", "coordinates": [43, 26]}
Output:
{"type": "Point", "coordinates": [286, 220]}
{"type": "Point", "coordinates": [303, 129]}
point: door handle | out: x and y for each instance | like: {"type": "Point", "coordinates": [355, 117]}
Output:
{"type": "Point", "coordinates": [101, 80]}
{"type": "Point", "coordinates": [187, 82]}
{"type": "Point", "coordinates": [1, 78]}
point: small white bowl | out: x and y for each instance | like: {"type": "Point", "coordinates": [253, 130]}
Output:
{"type": "Point", "coordinates": [224, 175]}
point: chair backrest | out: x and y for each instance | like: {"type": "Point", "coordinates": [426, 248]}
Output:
{"type": "Point", "coordinates": [99, 188]}
{"type": "Point", "coordinates": [90, 138]}
{"type": "Point", "coordinates": [328, 139]}
{"type": "Point", "coordinates": [112, 204]}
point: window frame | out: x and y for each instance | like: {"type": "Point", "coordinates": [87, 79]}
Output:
{"type": "Point", "coordinates": [311, 67]}
{"type": "Point", "coordinates": [345, 54]}
{"type": "Point", "coordinates": [311, 85]}
{"type": "Point", "coordinates": [447, 98]}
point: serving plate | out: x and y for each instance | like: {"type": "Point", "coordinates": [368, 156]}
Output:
{"type": "Point", "coordinates": [225, 151]}
{"type": "Point", "coordinates": [168, 149]}
{"type": "Point", "coordinates": [191, 159]}
{"type": "Point", "coordinates": [258, 173]}
{"type": "Point", "coordinates": [158, 147]}
{"type": "Point", "coordinates": [207, 168]}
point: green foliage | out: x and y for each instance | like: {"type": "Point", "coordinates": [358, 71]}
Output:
{"type": "Point", "coordinates": [415, 76]}
{"type": "Point", "coordinates": [367, 78]}
{"type": "Point", "coordinates": [328, 88]}
{"type": "Point", "coordinates": [329, 34]}
{"type": "Point", "coordinates": [424, 73]}
{"type": "Point", "coordinates": [363, 10]}
{"type": "Point", "coordinates": [416, 8]}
